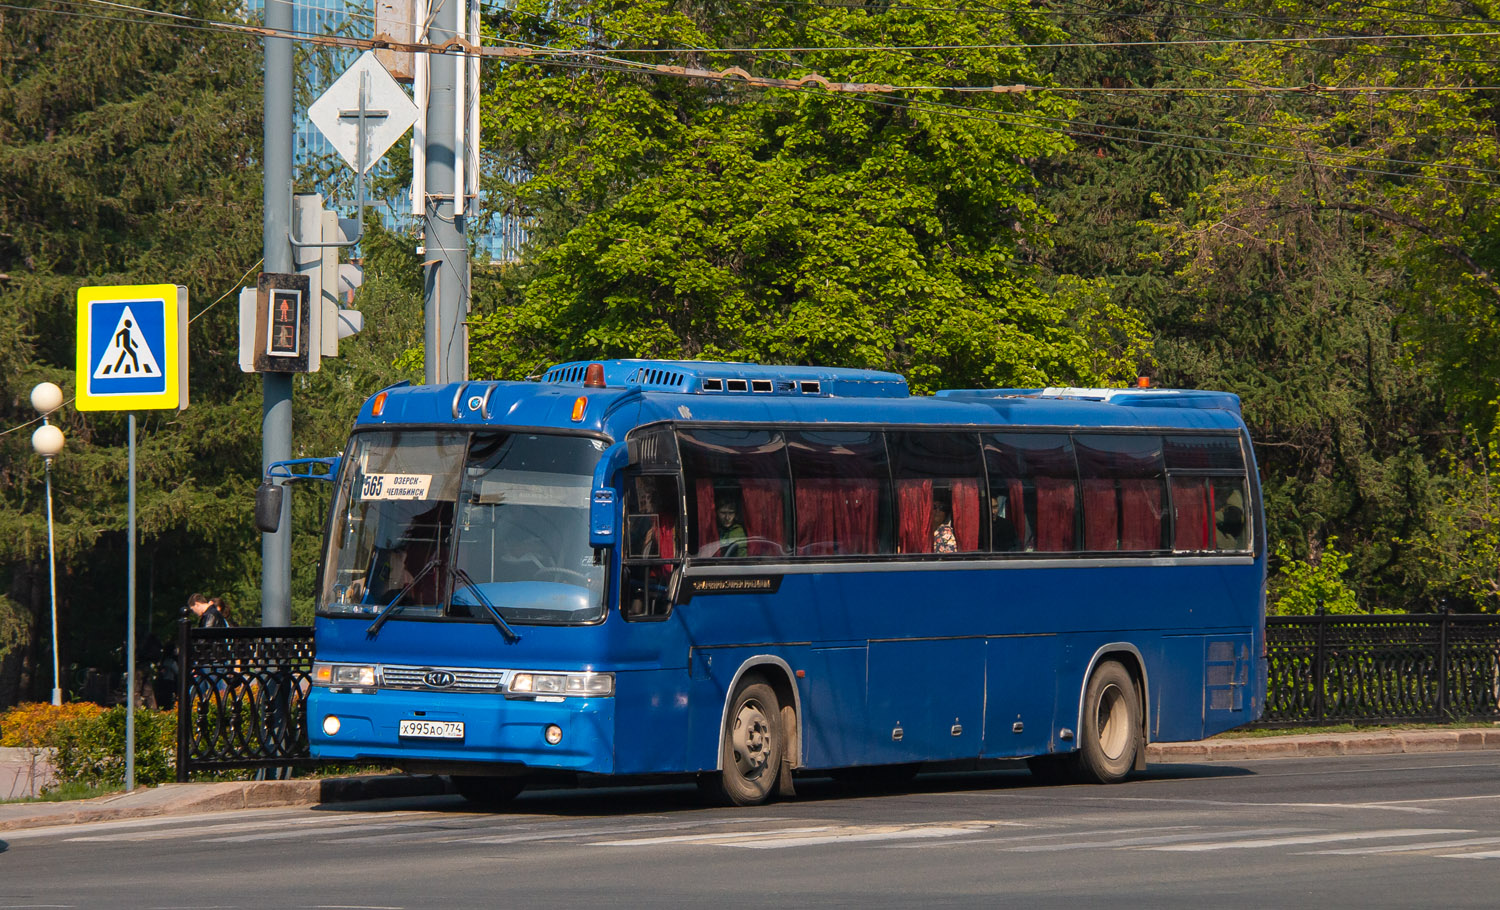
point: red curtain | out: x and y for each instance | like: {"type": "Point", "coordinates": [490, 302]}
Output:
{"type": "Point", "coordinates": [1100, 515]}
{"type": "Point", "coordinates": [1190, 527]}
{"type": "Point", "coordinates": [708, 519]}
{"type": "Point", "coordinates": [815, 498]}
{"type": "Point", "coordinates": [914, 497]}
{"type": "Point", "coordinates": [836, 516]}
{"type": "Point", "coordinates": [1141, 502]}
{"type": "Point", "coordinates": [1054, 514]}
{"type": "Point", "coordinates": [1015, 510]}
{"type": "Point", "coordinates": [966, 513]}
{"type": "Point", "coordinates": [765, 515]}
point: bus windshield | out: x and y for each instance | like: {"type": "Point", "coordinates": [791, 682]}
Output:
{"type": "Point", "coordinates": [437, 523]}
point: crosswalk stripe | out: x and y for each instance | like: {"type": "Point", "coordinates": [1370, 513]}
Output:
{"type": "Point", "coordinates": [1309, 839]}
{"type": "Point", "coordinates": [1406, 848]}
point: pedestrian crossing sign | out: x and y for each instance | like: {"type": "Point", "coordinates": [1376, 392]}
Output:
{"type": "Point", "coordinates": [132, 348]}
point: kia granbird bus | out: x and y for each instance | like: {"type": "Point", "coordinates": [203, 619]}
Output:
{"type": "Point", "coordinates": [739, 572]}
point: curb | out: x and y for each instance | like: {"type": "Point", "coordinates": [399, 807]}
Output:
{"type": "Point", "coordinates": [178, 799]}
{"type": "Point", "coordinates": [1320, 745]}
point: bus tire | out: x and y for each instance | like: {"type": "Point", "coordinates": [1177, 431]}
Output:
{"type": "Point", "coordinates": [489, 792]}
{"type": "Point", "coordinates": [1111, 726]}
{"type": "Point", "coordinates": [754, 744]}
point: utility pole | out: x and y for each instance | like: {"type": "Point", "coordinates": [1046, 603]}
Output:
{"type": "Point", "coordinates": [445, 235]}
{"type": "Point", "coordinates": [276, 388]}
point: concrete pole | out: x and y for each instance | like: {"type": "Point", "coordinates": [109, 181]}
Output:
{"type": "Point", "coordinates": [445, 236]}
{"type": "Point", "coordinates": [276, 388]}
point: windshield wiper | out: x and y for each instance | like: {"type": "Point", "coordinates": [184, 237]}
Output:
{"type": "Point", "coordinates": [392, 608]}
{"type": "Point", "coordinates": [510, 634]}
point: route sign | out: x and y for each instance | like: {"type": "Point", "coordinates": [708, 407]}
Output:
{"type": "Point", "coordinates": [132, 348]}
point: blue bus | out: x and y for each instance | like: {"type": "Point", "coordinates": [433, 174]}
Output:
{"type": "Point", "coordinates": [740, 572]}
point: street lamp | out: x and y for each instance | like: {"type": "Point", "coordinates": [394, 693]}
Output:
{"type": "Point", "coordinates": [48, 442]}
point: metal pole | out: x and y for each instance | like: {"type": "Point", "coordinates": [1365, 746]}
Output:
{"type": "Point", "coordinates": [185, 706]}
{"type": "Point", "coordinates": [276, 388]}
{"type": "Point", "coordinates": [130, 629]}
{"type": "Point", "coordinates": [52, 580]}
{"type": "Point", "coordinates": [445, 237]}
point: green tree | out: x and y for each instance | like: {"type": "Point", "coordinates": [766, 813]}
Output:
{"type": "Point", "coordinates": [694, 218]}
{"type": "Point", "coordinates": [1314, 585]}
{"type": "Point", "coordinates": [130, 153]}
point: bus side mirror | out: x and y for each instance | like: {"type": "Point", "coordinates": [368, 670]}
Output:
{"type": "Point", "coordinates": [604, 501]}
{"type": "Point", "coordinates": [603, 518]}
{"type": "Point", "coordinates": [268, 507]}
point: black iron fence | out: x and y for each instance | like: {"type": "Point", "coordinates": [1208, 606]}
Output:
{"type": "Point", "coordinates": [242, 694]}
{"type": "Point", "coordinates": [242, 698]}
{"type": "Point", "coordinates": [1382, 669]}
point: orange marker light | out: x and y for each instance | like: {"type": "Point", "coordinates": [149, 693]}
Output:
{"type": "Point", "coordinates": [578, 407]}
{"type": "Point", "coordinates": [1143, 382]}
{"type": "Point", "coordinates": [593, 377]}
{"type": "Point", "coordinates": [379, 404]}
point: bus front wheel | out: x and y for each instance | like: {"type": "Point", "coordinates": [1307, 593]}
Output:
{"type": "Point", "coordinates": [754, 743]}
{"type": "Point", "coordinates": [1111, 733]}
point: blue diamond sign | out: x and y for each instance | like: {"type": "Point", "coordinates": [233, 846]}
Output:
{"type": "Point", "coordinates": [132, 348]}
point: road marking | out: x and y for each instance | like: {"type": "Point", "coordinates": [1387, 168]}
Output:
{"type": "Point", "coordinates": [807, 837]}
{"type": "Point", "coordinates": [605, 829]}
{"type": "Point", "coordinates": [304, 826]}
{"type": "Point", "coordinates": [704, 838]}
{"type": "Point", "coordinates": [1154, 839]}
{"type": "Point", "coordinates": [1487, 854]}
{"type": "Point", "coordinates": [1255, 805]}
{"type": "Point", "coordinates": [1309, 839]}
{"type": "Point", "coordinates": [1405, 848]}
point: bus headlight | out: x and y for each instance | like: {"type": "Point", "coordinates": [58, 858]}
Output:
{"type": "Point", "coordinates": [580, 685]}
{"type": "Point", "coordinates": [345, 676]}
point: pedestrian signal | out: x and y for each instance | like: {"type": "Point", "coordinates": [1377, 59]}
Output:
{"type": "Point", "coordinates": [132, 348]}
{"type": "Point", "coordinates": [282, 333]}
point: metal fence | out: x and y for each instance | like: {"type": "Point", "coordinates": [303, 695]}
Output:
{"type": "Point", "coordinates": [1382, 669]}
{"type": "Point", "coordinates": [242, 694]}
{"type": "Point", "coordinates": [242, 698]}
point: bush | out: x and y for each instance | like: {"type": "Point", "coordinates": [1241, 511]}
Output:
{"type": "Point", "coordinates": [90, 750]}
{"type": "Point", "coordinates": [31, 725]}
{"type": "Point", "coordinates": [1307, 587]}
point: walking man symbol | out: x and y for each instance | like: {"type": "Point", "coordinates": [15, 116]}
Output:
{"type": "Point", "coordinates": [125, 344]}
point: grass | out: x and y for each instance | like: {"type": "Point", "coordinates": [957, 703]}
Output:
{"type": "Point", "coordinates": [65, 792]}
{"type": "Point", "coordinates": [1259, 733]}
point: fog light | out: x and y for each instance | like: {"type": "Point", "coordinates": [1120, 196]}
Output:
{"type": "Point", "coordinates": [553, 734]}
{"type": "Point", "coordinates": [331, 725]}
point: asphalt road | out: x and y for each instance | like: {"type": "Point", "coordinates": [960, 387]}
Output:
{"type": "Point", "coordinates": [1377, 831]}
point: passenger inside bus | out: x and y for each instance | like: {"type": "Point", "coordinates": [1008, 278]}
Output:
{"type": "Point", "coordinates": [943, 538]}
{"type": "Point", "coordinates": [732, 537]}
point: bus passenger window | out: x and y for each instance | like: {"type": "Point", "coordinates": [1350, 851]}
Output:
{"type": "Point", "coordinates": [1034, 487]}
{"type": "Point", "coordinates": [1123, 491]}
{"type": "Point", "coordinates": [739, 494]}
{"type": "Point", "coordinates": [1231, 520]}
{"type": "Point", "coordinates": [651, 546]}
{"type": "Point", "coordinates": [938, 478]}
{"type": "Point", "coordinates": [1209, 498]}
{"type": "Point", "coordinates": [842, 491]}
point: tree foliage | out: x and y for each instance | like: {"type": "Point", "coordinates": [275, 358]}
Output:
{"type": "Point", "coordinates": [694, 218]}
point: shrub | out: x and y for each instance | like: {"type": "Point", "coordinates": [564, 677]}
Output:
{"type": "Point", "coordinates": [1309, 586]}
{"type": "Point", "coordinates": [91, 749]}
{"type": "Point", "coordinates": [30, 725]}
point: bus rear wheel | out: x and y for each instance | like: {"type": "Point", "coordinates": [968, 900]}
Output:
{"type": "Point", "coordinates": [489, 792]}
{"type": "Point", "coordinates": [1111, 733]}
{"type": "Point", "coordinates": [753, 746]}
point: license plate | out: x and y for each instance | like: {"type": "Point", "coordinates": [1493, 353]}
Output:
{"type": "Point", "coordinates": [432, 729]}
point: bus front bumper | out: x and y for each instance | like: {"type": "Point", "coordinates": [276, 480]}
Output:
{"type": "Point", "coordinates": [514, 731]}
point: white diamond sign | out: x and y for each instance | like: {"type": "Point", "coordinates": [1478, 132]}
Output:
{"type": "Point", "coordinates": [388, 113]}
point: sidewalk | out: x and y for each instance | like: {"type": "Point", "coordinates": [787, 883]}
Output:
{"type": "Point", "coordinates": [179, 799]}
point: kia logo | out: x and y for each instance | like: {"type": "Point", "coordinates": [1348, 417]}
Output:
{"type": "Point", "coordinates": [439, 679]}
